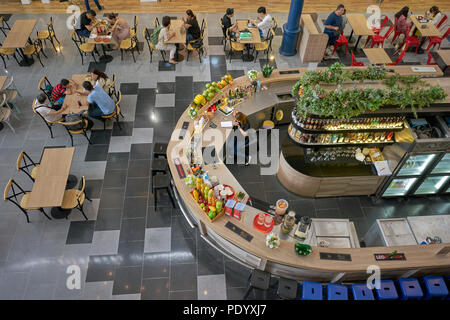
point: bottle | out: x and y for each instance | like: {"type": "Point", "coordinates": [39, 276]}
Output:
{"type": "Point", "coordinates": [288, 222]}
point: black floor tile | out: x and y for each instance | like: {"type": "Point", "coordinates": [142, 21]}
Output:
{"type": "Point", "coordinates": [180, 228]}
{"type": "Point", "coordinates": [96, 65]}
{"type": "Point", "coordinates": [303, 207]}
{"type": "Point", "coordinates": [6, 16]}
{"type": "Point", "coordinates": [131, 254]}
{"type": "Point", "coordinates": [115, 179]}
{"type": "Point", "coordinates": [165, 114]}
{"type": "Point", "coordinates": [165, 66]}
{"type": "Point", "coordinates": [236, 73]}
{"type": "Point", "coordinates": [100, 136]}
{"type": "Point", "coordinates": [132, 230]}
{"type": "Point", "coordinates": [333, 213]}
{"type": "Point", "coordinates": [326, 203]}
{"type": "Point", "coordinates": [108, 219]}
{"type": "Point", "coordinates": [273, 196]}
{"type": "Point", "coordinates": [143, 108]}
{"type": "Point", "coordinates": [199, 87]}
{"type": "Point", "coordinates": [238, 294]}
{"type": "Point", "coordinates": [271, 183]}
{"type": "Point", "coordinates": [138, 168]}
{"type": "Point", "coordinates": [326, 63]}
{"type": "Point", "coordinates": [93, 188]}
{"type": "Point", "coordinates": [165, 87]}
{"type": "Point", "coordinates": [127, 280]}
{"type": "Point", "coordinates": [155, 289]}
{"type": "Point", "coordinates": [117, 161]}
{"type": "Point", "coordinates": [183, 295]}
{"type": "Point", "coordinates": [372, 213]}
{"type": "Point", "coordinates": [141, 151]}
{"type": "Point", "coordinates": [156, 265]}
{"type": "Point", "coordinates": [126, 128]}
{"type": "Point", "coordinates": [112, 198]}
{"type": "Point", "coordinates": [361, 226]}
{"type": "Point", "coordinates": [137, 187]}
{"type": "Point", "coordinates": [102, 268]}
{"type": "Point", "coordinates": [215, 41]}
{"type": "Point", "coordinates": [80, 232]}
{"type": "Point", "coordinates": [183, 277]}
{"type": "Point", "coordinates": [210, 262]}
{"type": "Point", "coordinates": [350, 207]}
{"type": "Point", "coordinates": [160, 218]}
{"type": "Point", "coordinates": [236, 276]}
{"type": "Point", "coordinates": [163, 131]}
{"type": "Point", "coordinates": [97, 152]}
{"type": "Point", "coordinates": [135, 207]}
{"type": "Point", "coordinates": [183, 251]}
{"type": "Point", "coordinates": [129, 88]}
{"type": "Point", "coordinates": [147, 93]}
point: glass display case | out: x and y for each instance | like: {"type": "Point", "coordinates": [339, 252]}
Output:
{"type": "Point", "coordinates": [416, 164]}
{"type": "Point", "coordinates": [399, 187]}
{"type": "Point", "coordinates": [443, 165]}
{"type": "Point", "coordinates": [432, 185]}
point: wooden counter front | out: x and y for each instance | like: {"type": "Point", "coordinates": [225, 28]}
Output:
{"type": "Point", "coordinates": [284, 261]}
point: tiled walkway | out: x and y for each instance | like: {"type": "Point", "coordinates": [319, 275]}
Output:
{"type": "Point", "coordinates": [127, 249]}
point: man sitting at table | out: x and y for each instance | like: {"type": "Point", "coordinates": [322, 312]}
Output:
{"type": "Point", "coordinates": [59, 92]}
{"type": "Point", "coordinates": [44, 109]}
{"type": "Point", "coordinates": [100, 103]}
{"type": "Point", "coordinates": [333, 26]}
{"type": "Point", "coordinates": [227, 25]}
{"type": "Point", "coordinates": [264, 22]}
{"type": "Point", "coordinates": [87, 20]}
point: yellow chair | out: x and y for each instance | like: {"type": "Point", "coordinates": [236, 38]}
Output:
{"type": "Point", "coordinates": [22, 204]}
{"type": "Point", "coordinates": [6, 52]}
{"type": "Point", "coordinates": [83, 48]}
{"type": "Point", "coordinates": [71, 132]}
{"type": "Point", "coordinates": [200, 46]}
{"type": "Point", "coordinates": [115, 114]}
{"type": "Point", "coordinates": [235, 46]}
{"type": "Point", "coordinates": [156, 22]}
{"type": "Point", "coordinates": [134, 32]}
{"type": "Point", "coordinates": [25, 164]}
{"type": "Point", "coordinates": [49, 124]}
{"type": "Point", "coordinates": [275, 23]}
{"type": "Point", "coordinates": [269, 124]}
{"type": "Point", "coordinates": [151, 47]}
{"type": "Point", "coordinates": [4, 25]}
{"type": "Point", "coordinates": [48, 34]}
{"type": "Point", "coordinates": [42, 86]}
{"type": "Point", "coordinates": [112, 88]}
{"type": "Point", "coordinates": [128, 45]}
{"type": "Point", "coordinates": [265, 45]}
{"type": "Point", "coordinates": [35, 49]}
{"type": "Point", "coordinates": [74, 198]}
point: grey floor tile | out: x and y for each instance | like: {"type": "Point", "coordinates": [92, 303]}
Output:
{"type": "Point", "coordinates": [132, 230]}
{"type": "Point", "coordinates": [131, 253]}
{"type": "Point", "coordinates": [120, 144]}
{"type": "Point", "coordinates": [142, 135]}
{"type": "Point", "coordinates": [156, 265]}
{"type": "Point", "coordinates": [105, 242]}
{"type": "Point", "coordinates": [183, 295]}
{"type": "Point", "coordinates": [101, 290]}
{"type": "Point", "coordinates": [40, 292]}
{"type": "Point", "coordinates": [157, 240]}
{"type": "Point", "coordinates": [108, 219]}
{"type": "Point", "coordinates": [211, 287]}
{"type": "Point", "coordinates": [102, 268]}
{"type": "Point", "coordinates": [135, 207]}
{"type": "Point", "coordinates": [13, 285]}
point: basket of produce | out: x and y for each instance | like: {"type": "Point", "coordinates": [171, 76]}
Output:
{"type": "Point", "coordinates": [204, 197]}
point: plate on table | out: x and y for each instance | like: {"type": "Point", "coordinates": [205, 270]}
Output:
{"type": "Point", "coordinates": [229, 196]}
{"type": "Point", "coordinates": [98, 39]}
{"type": "Point", "coordinates": [106, 40]}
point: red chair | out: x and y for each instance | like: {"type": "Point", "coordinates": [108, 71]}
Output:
{"type": "Point", "coordinates": [444, 18]}
{"type": "Point", "coordinates": [430, 57]}
{"type": "Point", "coordinates": [411, 40]}
{"type": "Point", "coordinates": [355, 63]}
{"type": "Point", "coordinates": [397, 33]}
{"type": "Point", "coordinates": [342, 41]}
{"type": "Point", "coordinates": [399, 59]}
{"type": "Point", "coordinates": [379, 40]}
{"type": "Point", "coordinates": [437, 40]}
{"type": "Point", "coordinates": [383, 22]}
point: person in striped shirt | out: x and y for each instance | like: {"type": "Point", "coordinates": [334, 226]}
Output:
{"type": "Point", "coordinates": [59, 91]}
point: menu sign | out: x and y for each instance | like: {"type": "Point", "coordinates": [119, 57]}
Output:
{"type": "Point", "coordinates": [389, 256]}
{"type": "Point", "coordinates": [239, 231]}
{"type": "Point", "coordinates": [335, 256]}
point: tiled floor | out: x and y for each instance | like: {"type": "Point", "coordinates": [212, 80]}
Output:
{"type": "Point", "coordinates": [127, 249]}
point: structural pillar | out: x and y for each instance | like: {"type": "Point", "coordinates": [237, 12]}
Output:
{"type": "Point", "coordinates": [291, 29]}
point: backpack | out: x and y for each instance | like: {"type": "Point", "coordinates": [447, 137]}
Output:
{"type": "Point", "coordinates": [155, 34]}
{"type": "Point", "coordinates": [74, 117]}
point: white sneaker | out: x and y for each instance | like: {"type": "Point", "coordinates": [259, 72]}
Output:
{"type": "Point", "coordinates": [248, 160]}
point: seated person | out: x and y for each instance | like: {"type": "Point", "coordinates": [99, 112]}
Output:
{"type": "Point", "coordinates": [227, 25]}
{"type": "Point", "coordinates": [264, 22]}
{"type": "Point", "coordinates": [101, 79]}
{"type": "Point", "coordinates": [433, 15]}
{"type": "Point", "coordinates": [100, 103]}
{"type": "Point", "coordinates": [333, 26]}
{"type": "Point", "coordinates": [165, 35]}
{"type": "Point", "coordinates": [42, 107]}
{"type": "Point", "coordinates": [401, 25]}
{"type": "Point", "coordinates": [87, 23]}
{"type": "Point", "coordinates": [191, 25]}
{"type": "Point", "coordinates": [120, 29]}
{"type": "Point", "coordinates": [59, 92]}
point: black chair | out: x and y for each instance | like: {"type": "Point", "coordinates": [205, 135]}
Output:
{"type": "Point", "coordinates": [82, 131]}
{"type": "Point", "coordinates": [160, 149]}
{"type": "Point", "coordinates": [159, 165]}
{"type": "Point", "coordinates": [287, 289]}
{"type": "Point", "coordinates": [258, 280]}
{"type": "Point", "coordinates": [161, 182]}
{"type": "Point", "coordinates": [151, 47]}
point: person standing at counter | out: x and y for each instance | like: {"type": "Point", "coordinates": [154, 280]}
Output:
{"type": "Point", "coordinates": [241, 122]}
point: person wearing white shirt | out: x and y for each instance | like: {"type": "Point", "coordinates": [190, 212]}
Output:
{"type": "Point", "coordinates": [164, 35]}
{"type": "Point", "coordinates": [264, 22]}
{"type": "Point", "coordinates": [434, 15]}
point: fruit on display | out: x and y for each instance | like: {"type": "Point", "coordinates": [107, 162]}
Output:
{"type": "Point", "coordinates": [190, 180]}
{"type": "Point", "coordinates": [192, 112]}
{"type": "Point", "coordinates": [219, 205]}
{"type": "Point", "coordinates": [200, 100]}
{"type": "Point", "coordinates": [204, 196]}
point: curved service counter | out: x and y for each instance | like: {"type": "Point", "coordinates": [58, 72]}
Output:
{"type": "Point", "coordinates": [241, 242]}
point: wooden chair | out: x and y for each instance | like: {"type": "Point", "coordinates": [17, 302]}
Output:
{"type": "Point", "coordinates": [265, 45]}
{"type": "Point", "coordinates": [151, 46]}
{"type": "Point", "coordinates": [74, 198]}
{"type": "Point", "coordinates": [4, 26]}
{"type": "Point", "coordinates": [5, 114]}
{"type": "Point", "coordinates": [12, 92]}
{"type": "Point", "coordinates": [115, 114]}
{"type": "Point", "coordinates": [22, 204]}
{"type": "Point", "coordinates": [235, 46]}
{"type": "Point", "coordinates": [35, 49]}
{"type": "Point", "coordinates": [128, 45]}
{"type": "Point", "coordinates": [27, 165]}
{"type": "Point", "coordinates": [49, 124]}
{"type": "Point", "coordinates": [49, 34]}
{"type": "Point", "coordinates": [82, 131]}
{"type": "Point", "coordinates": [83, 48]}
{"type": "Point", "coordinates": [42, 86]}
{"type": "Point", "coordinates": [6, 52]}
{"type": "Point", "coordinates": [112, 88]}
{"type": "Point", "coordinates": [134, 32]}
{"type": "Point", "coordinates": [156, 22]}
{"type": "Point", "coordinates": [200, 49]}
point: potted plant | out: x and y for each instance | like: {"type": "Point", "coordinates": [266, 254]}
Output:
{"type": "Point", "coordinates": [267, 71]}
{"type": "Point", "coordinates": [272, 240]}
{"type": "Point", "coordinates": [302, 249]}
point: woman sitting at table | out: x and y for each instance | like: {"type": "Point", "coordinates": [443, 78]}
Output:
{"type": "Point", "coordinates": [401, 25]}
{"type": "Point", "coordinates": [165, 35]}
{"type": "Point", "coordinates": [433, 15]}
{"type": "Point", "coordinates": [120, 29]}
{"type": "Point", "coordinates": [100, 103]}
{"type": "Point", "coordinates": [191, 25]}
{"type": "Point", "coordinates": [101, 79]}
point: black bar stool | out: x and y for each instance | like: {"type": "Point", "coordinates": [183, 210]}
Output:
{"type": "Point", "coordinates": [258, 280]}
{"type": "Point", "coordinates": [287, 289]}
{"type": "Point", "coordinates": [161, 182]}
{"type": "Point", "coordinates": [159, 149]}
{"type": "Point", "coordinates": [158, 165]}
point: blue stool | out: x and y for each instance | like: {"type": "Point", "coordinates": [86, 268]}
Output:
{"type": "Point", "coordinates": [410, 289]}
{"type": "Point", "coordinates": [387, 290]}
{"type": "Point", "coordinates": [312, 290]}
{"type": "Point", "coordinates": [435, 288]}
{"type": "Point", "coordinates": [361, 292]}
{"type": "Point", "coordinates": [337, 292]}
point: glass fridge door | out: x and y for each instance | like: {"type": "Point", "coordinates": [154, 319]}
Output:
{"type": "Point", "coordinates": [443, 166]}
{"type": "Point", "coordinates": [399, 187]}
{"type": "Point", "coordinates": [432, 185]}
{"type": "Point", "coordinates": [416, 164]}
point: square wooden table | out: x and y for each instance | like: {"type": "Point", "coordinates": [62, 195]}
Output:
{"type": "Point", "coordinates": [2, 81]}
{"type": "Point", "coordinates": [256, 38]}
{"type": "Point", "coordinates": [51, 179]}
{"type": "Point", "coordinates": [377, 56]}
{"type": "Point", "coordinates": [358, 22]}
{"type": "Point", "coordinates": [18, 37]}
{"type": "Point", "coordinates": [442, 58]}
{"type": "Point", "coordinates": [429, 31]}
{"type": "Point", "coordinates": [105, 58]}
{"type": "Point", "coordinates": [71, 100]}
{"type": "Point", "coordinates": [177, 26]}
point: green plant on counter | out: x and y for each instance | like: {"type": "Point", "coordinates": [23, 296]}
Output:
{"type": "Point", "coordinates": [267, 71]}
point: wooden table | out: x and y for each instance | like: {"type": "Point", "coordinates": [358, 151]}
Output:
{"type": "Point", "coordinates": [442, 58]}
{"type": "Point", "coordinates": [377, 56]}
{"type": "Point", "coordinates": [106, 58]}
{"type": "Point", "coordinates": [429, 31]}
{"type": "Point", "coordinates": [256, 38]}
{"type": "Point", "coordinates": [358, 22]}
{"type": "Point", "coordinates": [50, 183]}
{"type": "Point", "coordinates": [18, 37]}
{"type": "Point", "coordinates": [177, 25]}
{"type": "Point", "coordinates": [71, 100]}
{"type": "Point", "coordinates": [2, 81]}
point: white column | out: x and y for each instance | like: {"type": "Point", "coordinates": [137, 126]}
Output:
{"type": "Point", "coordinates": [45, 1]}
{"type": "Point", "coordinates": [26, 1]}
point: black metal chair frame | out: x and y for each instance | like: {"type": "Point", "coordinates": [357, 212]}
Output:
{"type": "Point", "coordinates": [27, 165]}
{"type": "Point", "coordinates": [148, 39]}
{"type": "Point", "coordinates": [79, 41]}
{"type": "Point", "coordinates": [51, 31]}
{"type": "Point", "coordinates": [67, 124]}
